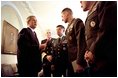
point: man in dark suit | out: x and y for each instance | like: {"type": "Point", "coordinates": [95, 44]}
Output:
{"type": "Point", "coordinates": [28, 54]}
{"type": "Point", "coordinates": [60, 58]}
{"type": "Point", "coordinates": [75, 41]}
{"type": "Point", "coordinates": [101, 37]}
{"type": "Point", "coordinates": [47, 54]}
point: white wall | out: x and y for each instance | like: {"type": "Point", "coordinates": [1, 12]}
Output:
{"type": "Point", "coordinates": [9, 13]}
{"type": "Point", "coordinates": [8, 59]}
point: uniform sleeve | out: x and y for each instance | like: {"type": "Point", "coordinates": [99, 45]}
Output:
{"type": "Point", "coordinates": [81, 44]}
{"type": "Point", "coordinates": [43, 51]}
{"type": "Point", "coordinates": [43, 41]}
{"type": "Point", "coordinates": [107, 27]}
{"type": "Point", "coordinates": [43, 55]}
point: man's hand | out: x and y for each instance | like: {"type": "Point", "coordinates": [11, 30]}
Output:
{"type": "Point", "coordinates": [89, 57]}
{"type": "Point", "coordinates": [42, 46]}
{"type": "Point", "coordinates": [49, 58]}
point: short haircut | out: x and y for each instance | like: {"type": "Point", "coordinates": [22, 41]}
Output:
{"type": "Point", "coordinates": [68, 10]}
{"type": "Point", "coordinates": [29, 18]}
{"type": "Point", "coordinates": [61, 26]}
{"type": "Point", "coordinates": [48, 31]}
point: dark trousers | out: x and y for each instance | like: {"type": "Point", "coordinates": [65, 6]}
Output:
{"type": "Point", "coordinates": [109, 72]}
{"type": "Point", "coordinates": [28, 74]}
{"type": "Point", "coordinates": [47, 71]}
{"type": "Point", "coordinates": [59, 71]}
{"type": "Point", "coordinates": [106, 71]}
{"type": "Point", "coordinates": [70, 70]}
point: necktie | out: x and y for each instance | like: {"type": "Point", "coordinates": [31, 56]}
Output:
{"type": "Point", "coordinates": [35, 36]}
{"type": "Point", "coordinates": [34, 33]}
{"type": "Point", "coordinates": [59, 40]}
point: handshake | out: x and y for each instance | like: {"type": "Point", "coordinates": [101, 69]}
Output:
{"type": "Point", "coordinates": [42, 46]}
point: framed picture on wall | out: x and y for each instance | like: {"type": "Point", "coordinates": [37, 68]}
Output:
{"type": "Point", "coordinates": [9, 39]}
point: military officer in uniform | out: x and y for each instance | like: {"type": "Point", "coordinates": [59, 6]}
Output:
{"type": "Point", "coordinates": [47, 54]}
{"type": "Point", "coordinates": [101, 37]}
{"type": "Point", "coordinates": [60, 54]}
{"type": "Point", "coordinates": [75, 41]}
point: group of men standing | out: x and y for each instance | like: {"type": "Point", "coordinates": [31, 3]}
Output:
{"type": "Point", "coordinates": [55, 56]}
{"type": "Point", "coordinates": [90, 48]}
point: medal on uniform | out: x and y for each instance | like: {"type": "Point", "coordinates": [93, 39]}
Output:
{"type": "Point", "coordinates": [51, 51]}
{"type": "Point", "coordinates": [68, 30]}
{"type": "Point", "coordinates": [92, 23]}
{"type": "Point", "coordinates": [58, 49]}
{"type": "Point", "coordinates": [64, 48]}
